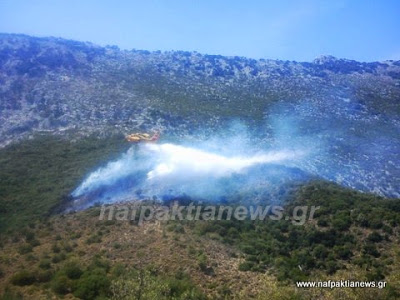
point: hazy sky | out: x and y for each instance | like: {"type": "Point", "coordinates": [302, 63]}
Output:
{"type": "Point", "coordinates": [364, 30]}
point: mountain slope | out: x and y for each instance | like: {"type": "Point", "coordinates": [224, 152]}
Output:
{"type": "Point", "coordinates": [53, 84]}
{"type": "Point", "coordinates": [344, 113]}
{"type": "Point", "coordinates": [348, 108]}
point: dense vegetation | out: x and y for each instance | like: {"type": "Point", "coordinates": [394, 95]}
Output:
{"type": "Point", "coordinates": [350, 229]}
{"type": "Point", "coordinates": [354, 235]}
{"type": "Point", "coordinates": [37, 175]}
{"type": "Point", "coordinates": [99, 280]}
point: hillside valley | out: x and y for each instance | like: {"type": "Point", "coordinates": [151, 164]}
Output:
{"type": "Point", "coordinates": [233, 130]}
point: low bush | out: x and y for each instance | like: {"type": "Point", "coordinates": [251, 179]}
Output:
{"type": "Point", "coordinates": [23, 278]}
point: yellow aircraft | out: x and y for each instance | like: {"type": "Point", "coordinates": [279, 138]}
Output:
{"type": "Point", "coordinates": [142, 137]}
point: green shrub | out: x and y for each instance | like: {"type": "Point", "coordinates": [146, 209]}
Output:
{"type": "Point", "coordinates": [55, 248]}
{"type": "Point", "coordinates": [202, 262]}
{"type": "Point", "coordinates": [343, 252]}
{"type": "Point", "coordinates": [118, 270]}
{"type": "Point", "coordinates": [11, 295]}
{"type": "Point", "coordinates": [375, 274]}
{"type": "Point", "coordinates": [30, 257]}
{"type": "Point", "coordinates": [23, 278]}
{"type": "Point", "coordinates": [331, 267]}
{"type": "Point", "coordinates": [175, 227]}
{"type": "Point", "coordinates": [181, 288]}
{"type": "Point", "coordinates": [68, 248]}
{"type": "Point", "coordinates": [76, 235]}
{"type": "Point", "coordinates": [376, 223]}
{"type": "Point", "coordinates": [323, 222]}
{"type": "Point", "coordinates": [109, 222]}
{"type": "Point", "coordinates": [29, 235]}
{"type": "Point", "coordinates": [72, 270]}
{"type": "Point", "coordinates": [58, 257]}
{"type": "Point", "coordinates": [94, 238]}
{"type": "Point", "coordinates": [145, 284]}
{"type": "Point", "coordinates": [341, 223]}
{"type": "Point", "coordinates": [246, 266]}
{"type": "Point", "coordinates": [61, 285]}
{"type": "Point", "coordinates": [24, 249]}
{"type": "Point", "coordinates": [374, 237]}
{"type": "Point", "coordinates": [320, 251]}
{"type": "Point", "coordinates": [44, 276]}
{"type": "Point", "coordinates": [371, 249]}
{"type": "Point", "coordinates": [117, 246]}
{"type": "Point", "coordinates": [100, 263]}
{"type": "Point", "coordinates": [45, 264]}
{"type": "Point", "coordinates": [92, 284]}
{"type": "Point", "coordinates": [34, 242]}
{"type": "Point", "coordinates": [387, 229]}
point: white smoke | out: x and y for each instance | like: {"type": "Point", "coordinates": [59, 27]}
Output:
{"type": "Point", "coordinates": [168, 166]}
{"type": "Point", "coordinates": [297, 143]}
{"type": "Point", "coordinates": [109, 174]}
{"type": "Point", "coordinates": [185, 163]}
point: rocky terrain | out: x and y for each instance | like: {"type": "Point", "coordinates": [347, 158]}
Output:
{"type": "Point", "coordinates": [56, 84]}
{"type": "Point", "coordinates": [350, 108]}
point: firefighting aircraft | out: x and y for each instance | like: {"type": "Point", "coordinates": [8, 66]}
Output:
{"type": "Point", "coordinates": [142, 137]}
